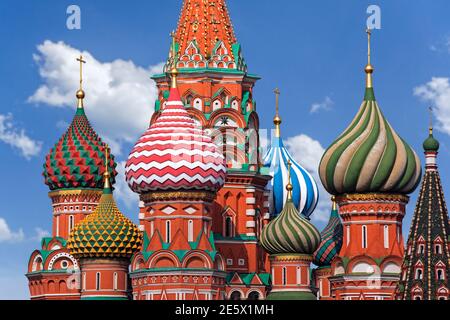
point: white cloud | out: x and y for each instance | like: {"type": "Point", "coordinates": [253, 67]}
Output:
{"type": "Point", "coordinates": [325, 105]}
{"type": "Point", "coordinates": [437, 92]}
{"type": "Point", "coordinates": [119, 95]}
{"type": "Point", "coordinates": [308, 152]}
{"type": "Point", "coordinates": [17, 138]}
{"type": "Point", "coordinates": [7, 235]}
{"type": "Point", "coordinates": [121, 190]}
{"type": "Point", "coordinates": [40, 233]}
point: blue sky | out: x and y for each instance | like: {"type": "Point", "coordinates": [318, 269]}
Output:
{"type": "Point", "coordinates": [314, 51]}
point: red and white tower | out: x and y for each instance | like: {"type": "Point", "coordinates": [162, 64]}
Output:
{"type": "Point", "coordinates": [217, 93]}
{"type": "Point", "coordinates": [73, 171]}
{"type": "Point", "coordinates": [370, 170]}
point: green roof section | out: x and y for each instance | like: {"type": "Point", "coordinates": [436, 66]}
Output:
{"type": "Point", "coordinates": [291, 295]}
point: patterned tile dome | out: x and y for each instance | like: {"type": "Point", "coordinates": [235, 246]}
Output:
{"type": "Point", "coordinates": [173, 154]}
{"type": "Point", "coordinates": [106, 233]}
{"type": "Point", "coordinates": [76, 160]}
{"type": "Point", "coordinates": [332, 237]}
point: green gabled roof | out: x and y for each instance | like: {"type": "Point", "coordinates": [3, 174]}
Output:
{"type": "Point", "coordinates": [291, 295]}
{"type": "Point", "coordinates": [247, 278]}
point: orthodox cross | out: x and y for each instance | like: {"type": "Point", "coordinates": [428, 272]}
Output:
{"type": "Point", "coordinates": [277, 99]}
{"type": "Point", "coordinates": [81, 61]}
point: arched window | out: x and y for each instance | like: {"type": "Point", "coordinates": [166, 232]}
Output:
{"type": "Point", "coordinates": [97, 281]}
{"type": "Point", "coordinates": [421, 249]}
{"type": "Point", "coordinates": [419, 274]}
{"type": "Point", "coordinates": [440, 274]}
{"type": "Point", "coordinates": [386, 237]}
{"type": "Point", "coordinates": [70, 223]}
{"type": "Point", "coordinates": [438, 249]}
{"type": "Point", "coordinates": [236, 295]}
{"type": "Point", "coordinates": [253, 296]}
{"type": "Point", "coordinates": [284, 276]}
{"type": "Point", "coordinates": [217, 104]}
{"type": "Point", "coordinates": [364, 237]}
{"type": "Point", "coordinates": [115, 280]}
{"type": "Point", "coordinates": [168, 236]}
{"type": "Point", "coordinates": [198, 104]}
{"type": "Point", "coordinates": [228, 227]}
{"type": "Point", "coordinates": [190, 231]}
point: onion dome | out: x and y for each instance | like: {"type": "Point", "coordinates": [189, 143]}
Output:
{"type": "Point", "coordinates": [332, 237]}
{"type": "Point", "coordinates": [76, 161]}
{"type": "Point", "coordinates": [173, 154]}
{"type": "Point", "coordinates": [305, 194]}
{"type": "Point", "coordinates": [106, 233]}
{"type": "Point", "coordinates": [431, 144]}
{"type": "Point", "coordinates": [290, 232]}
{"type": "Point", "coordinates": [370, 157]}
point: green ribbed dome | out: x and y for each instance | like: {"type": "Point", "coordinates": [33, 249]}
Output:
{"type": "Point", "coordinates": [290, 233]}
{"type": "Point", "coordinates": [431, 144]}
{"type": "Point", "coordinates": [370, 156]}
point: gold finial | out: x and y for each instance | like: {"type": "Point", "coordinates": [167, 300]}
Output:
{"type": "Point", "coordinates": [369, 68]}
{"type": "Point", "coordinates": [173, 61]}
{"type": "Point", "coordinates": [80, 93]}
{"type": "Point", "coordinates": [333, 200]}
{"type": "Point", "coordinates": [289, 186]}
{"type": "Point", "coordinates": [431, 120]}
{"type": "Point", "coordinates": [277, 119]}
{"type": "Point", "coordinates": [107, 175]}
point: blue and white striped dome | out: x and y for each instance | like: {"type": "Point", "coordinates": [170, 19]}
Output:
{"type": "Point", "coordinates": [305, 193]}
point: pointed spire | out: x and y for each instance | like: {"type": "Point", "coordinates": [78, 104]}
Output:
{"type": "Point", "coordinates": [107, 186]}
{"type": "Point", "coordinates": [80, 93]}
{"type": "Point", "coordinates": [173, 61]}
{"type": "Point", "coordinates": [369, 68]}
{"type": "Point", "coordinates": [277, 119]}
{"type": "Point", "coordinates": [431, 120]}
{"type": "Point", "coordinates": [289, 186]}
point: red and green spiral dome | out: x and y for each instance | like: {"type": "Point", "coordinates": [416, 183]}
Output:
{"type": "Point", "coordinates": [77, 160]}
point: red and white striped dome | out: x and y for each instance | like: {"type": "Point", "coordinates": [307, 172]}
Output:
{"type": "Point", "coordinates": [175, 155]}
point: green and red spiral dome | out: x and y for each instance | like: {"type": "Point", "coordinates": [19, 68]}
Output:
{"type": "Point", "coordinates": [77, 160]}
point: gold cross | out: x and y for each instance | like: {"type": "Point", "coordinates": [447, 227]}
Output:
{"type": "Point", "coordinates": [81, 61]}
{"type": "Point", "coordinates": [277, 98]}
{"type": "Point", "coordinates": [369, 34]}
{"type": "Point", "coordinates": [431, 119]}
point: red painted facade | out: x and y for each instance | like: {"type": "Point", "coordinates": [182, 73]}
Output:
{"type": "Point", "coordinates": [371, 256]}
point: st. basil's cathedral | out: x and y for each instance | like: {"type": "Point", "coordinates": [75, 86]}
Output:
{"type": "Point", "coordinates": [218, 220]}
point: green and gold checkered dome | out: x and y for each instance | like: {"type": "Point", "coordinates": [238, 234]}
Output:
{"type": "Point", "coordinates": [106, 233]}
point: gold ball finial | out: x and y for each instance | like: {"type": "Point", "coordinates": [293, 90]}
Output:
{"type": "Point", "coordinates": [369, 69]}
{"type": "Point", "coordinates": [80, 94]}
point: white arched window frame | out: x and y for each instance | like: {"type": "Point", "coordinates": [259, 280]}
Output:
{"type": "Point", "coordinates": [115, 282]}
{"type": "Point", "coordinates": [168, 231]}
{"type": "Point", "coordinates": [386, 237]}
{"type": "Point", "coordinates": [190, 231]}
{"type": "Point", "coordinates": [364, 237]}
{"type": "Point", "coordinates": [97, 281]}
